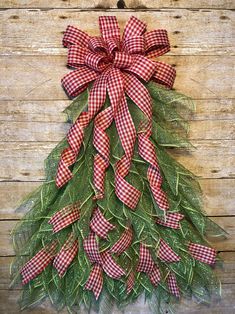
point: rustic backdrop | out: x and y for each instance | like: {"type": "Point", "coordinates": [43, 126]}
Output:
{"type": "Point", "coordinates": [32, 61]}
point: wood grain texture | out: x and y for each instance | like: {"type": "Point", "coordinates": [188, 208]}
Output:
{"type": "Point", "coordinates": [32, 62]}
{"type": "Point", "coordinates": [113, 4]}
{"type": "Point", "coordinates": [191, 32]}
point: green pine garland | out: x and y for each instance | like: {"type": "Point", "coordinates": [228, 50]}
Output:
{"type": "Point", "coordinates": [170, 129]}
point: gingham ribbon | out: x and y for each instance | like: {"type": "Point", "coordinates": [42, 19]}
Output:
{"type": "Point", "coordinates": [38, 262]}
{"type": "Point", "coordinates": [130, 282]}
{"type": "Point", "coordinates": [123, 242]}
{"type": "Point", "coordinates": [172, 284]}
{"type": "Point", "coordinates": [166, 254]}
{"type": "Point", "coordinates": [101, 262]}
{"type": "Point", "coordinates": [100, 225]}
{"type": "Point", "coordinates": [172, 220]}
{"type": "Point", "coordinates": [147, 265]}
{"type": "Point", "coordinates": [202, 253]}
{"type": "Point", "coordinates": [116, 66]}
{"type": "Point", "coordinates": [66, 255]}
{"type": "Point", "coordinates": [65, 217]}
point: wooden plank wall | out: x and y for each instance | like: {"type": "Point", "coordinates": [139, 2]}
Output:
{"type": "Point", "coordinates": [32, 61]}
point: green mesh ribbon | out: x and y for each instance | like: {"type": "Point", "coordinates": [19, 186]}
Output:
{"type": "Point", "coordinates": [171, 111]}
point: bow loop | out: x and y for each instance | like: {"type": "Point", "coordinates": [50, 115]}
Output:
{"type": "Point", "coordinates": [165, 74]}
{"type": "Point", "coordinates": [95, 61]}
{"type": "Point", "coordinates": [109, 27]}
{"type": "Point", "coordinates": [156, 43]}
{"type": "Point", "coordinates": [97, 44]}
{"type": "Point", "coordinates": [76, 56]}
{"type": "Point", "coordinates": [133, 28]}
{"type": "Point", "coordinates": [143, 68]}
{"type": "Point", "coordinates": [134, 45]}
{"type": "Point", "coordinates": [77, 81]}
{"type": "Point", "coordinates": [122, 60]}
{"type": "Point", "coordinates": [74, 36]}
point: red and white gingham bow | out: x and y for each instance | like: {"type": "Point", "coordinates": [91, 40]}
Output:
{"type": "Point", "coordinates": [116, 66]}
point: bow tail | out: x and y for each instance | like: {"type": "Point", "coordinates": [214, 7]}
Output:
{"type": "Point", "coordinates": [75, 135]}
{"type": "Point", "coordinates": [140, 96]}
{"type": "Point", "coordinates": [101, 143]}
{"type": "Point", "coordinates": [127, 193]}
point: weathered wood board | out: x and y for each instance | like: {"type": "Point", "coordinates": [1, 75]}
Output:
{"type": "Point", "coordinates": [32, 62]}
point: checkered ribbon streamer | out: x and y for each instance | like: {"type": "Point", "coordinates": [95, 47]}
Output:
{"type": "Point", "coordinates": [147, 265]}
{"type": "Point", "coordinates": [171, 220]}
{"type": "Point", "coordinates": [123, 242]}
{"type": "Point", "coordinates": [116, 66]}
{"type": "Point", "coordinates": [100, 225]}
{"type": "Point", "coordinates": [66, 255]}
{"type": "Point", "coordinates": [65, 217]}
{"type": "Point", "coordinates": [202, 253]}
{"type": "Point", "coordinates": [166, 254]}
{"type": "Point", "coordinates": [101, 262]}
{"type": "Point", "coordinates": [172, 284]}
{"type": "Point", "coordinates": [38, 262]}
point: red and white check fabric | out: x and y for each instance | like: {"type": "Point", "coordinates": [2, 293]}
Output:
{"type": "Point", "coordinates": [172, 220]}
{"type": "Point", "coordinates": [92, 249]}
{"type": "Point", "coordinates": [111, 268]}
{"type": "Point", "coordinates": [95, 280]}
{"type": "Point", "coordinates": [65, 217]}
{"type": "Point", "coordinates": [123, 242]}
{"type": "Point", "coordinates": [145, 263]}
{"type": "Point", "coordinates": [202, 253]}
{"type": "Point", "coordinates": [100, 225]}
{"type": "Point", "coordinates": [93, 58]}
{"type": "Point", "coordinates": [105, 262]}
{"type": "Point", "coordinates": [155, 275]}
{"type": "Point", "coordinates": [66, 255]}
{"type": "Point", "coordinates": [172, 284]}
{"type": "Point", "coordinates": [130, 282]}
{"type": "Point", "coordinates": [38, 263]}
{"type": "Point", "coordinates": [166, 254]}
{"type": "Point", "coordinates": [140, 96]}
